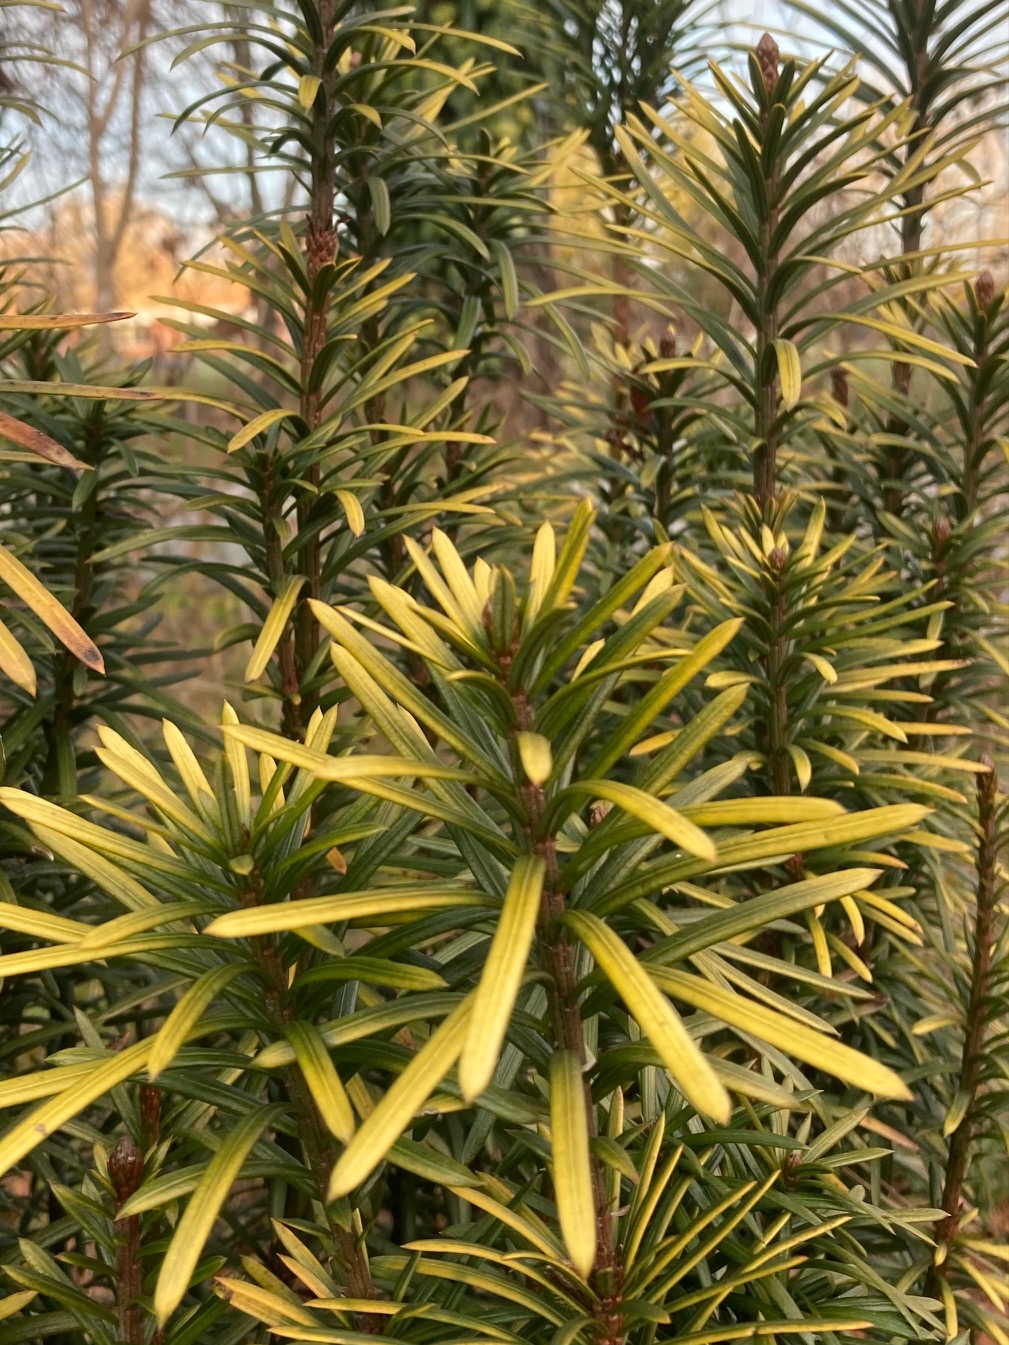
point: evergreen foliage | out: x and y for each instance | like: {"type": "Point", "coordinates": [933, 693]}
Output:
{"type": "Point", "coordinates": [586, 921]}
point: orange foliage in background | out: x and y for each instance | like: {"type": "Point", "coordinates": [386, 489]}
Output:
{"type": "Point", "coordinates": [57, 258]}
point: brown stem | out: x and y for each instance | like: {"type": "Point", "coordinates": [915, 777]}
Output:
{"type": "Point", "coordinates": [775, 733]}
{"type": "Point", "coordinates": [128, 1284]}
{"type": "Point", "coordinates": [972, 1058]}
{"type": "Point", "coordinates": [777, 649]}
{"type": "Point", "coordinates": [559, 957]}
{"type": "Point", "coordinates": [298, 645]}
{"type": "Point", "coordinates": [315, 1139]}
{"type": "Point", "coordinates": [953, 577]}
{"type": "Point", "coordinates": [895, 461]}
{"type": "Point", "coordinates": [126, 1169]}
{"type": "Point", "coordinates": [320, 251]}
{"type": "Point", "coordinates": [974, 448]}
{"type": "Point", "coordinates": [838, 499]}
{"type": "Point", "coordinates": [66, 665]}
{"type": "Point", "coordinates": [765, 457]}
{"type": "Point", "coordinates": [911, 227]}
{"type": "Point", "coordinates": [290, 684]}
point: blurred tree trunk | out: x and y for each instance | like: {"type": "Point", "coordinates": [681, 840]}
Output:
{"type": "Point", "coordinates": [115, 96]}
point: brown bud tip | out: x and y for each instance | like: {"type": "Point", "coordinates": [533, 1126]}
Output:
{"type": "Point", "coordinates": [984, 290]}
{"type": "Point", "coordinates": [667, 346]}
{"type": "Point", "coordinates": [777, 559]}
{"type": "Point", "coordinates": [839, 386]}
{"type": "Point", "coordinates": [126, 1168]}
{"type": "Point", "coordinates": [987, 790]}
{"type": "Point", "coordinates": [768, 58]}
{"type": "Point", "coordinates": [597, 813]}
{"type": "Point", "coordinates": [150, 1114]}
{"type": "Point", "coordinates": [941, 530]}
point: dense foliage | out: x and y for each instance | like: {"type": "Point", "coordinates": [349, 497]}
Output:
{"type": "Point", "coordinates": [586, 921]}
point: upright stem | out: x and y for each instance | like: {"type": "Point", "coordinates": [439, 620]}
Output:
{"type": "Point", "coordinates": [984, 291]}
{"type": "Point", "coordinates": [569, 1035]}
{"type": "Point", "coordinates": [972, 1058]}
{"type": "Point", "coordinates": [320, 251]}
{"type": "Point", "coordinates": [299, 643]}
{"type": "Point", "coordinates": [896, 460]}
{"type": "Point", "coordinates": [765, 458]}
{"type": "Point", "coordinates": [777, 649]}
{"type": "Point", "coordinates": [66, 665]}
{"type": "Point", "coordinates": [911, 227]}
{"type": "Point", "coordinates": [126, 1169]}
{"type": "Point", "coordinates": [951, 550]}
{"type": "Point", "coordinates": [315, 1139]}
{"type": "Point", "coordinates": [290, 683]}
{"type": "Point", "coordinates": [838, 501]}
{"type": "Point", "coordinates": [622, 277]}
